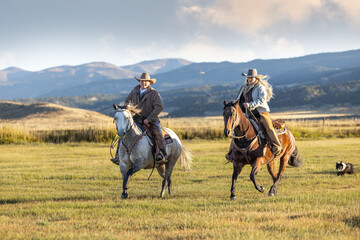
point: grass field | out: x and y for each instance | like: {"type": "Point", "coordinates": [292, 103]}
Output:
{"type": "Point", "coordinates": [67, 191]}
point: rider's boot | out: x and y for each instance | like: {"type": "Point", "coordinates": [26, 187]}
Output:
{"type": "Point", "coordinates": [229, 156]}
{"type": "Point", "coordinates": [116, 160]}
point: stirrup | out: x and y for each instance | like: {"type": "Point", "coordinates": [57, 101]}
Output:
{"type": "Point", "coordinates": [115, 161]}
{"type": "Point", "coordinates": [160, 158]}
{"type": "Point", "coordinates": [228, 158]}
{"type": "Point", "coordinates": [275, 150]}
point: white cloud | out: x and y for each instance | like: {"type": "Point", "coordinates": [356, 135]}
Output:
{"type": "Point", "coordinates": [249, 17]}
{"type": "Point", "coordinates": [7, 59]}
{"type": "Point", "coordinates": [107, 41]}
{"type": "Point", "coordinates": [351, 9]}
{"type": "Point", "coordinates": [204, 49]}
{"type": "Point", "coordinates": [283, 48]}
{"type": "Point", "coordinates": [200, 49]}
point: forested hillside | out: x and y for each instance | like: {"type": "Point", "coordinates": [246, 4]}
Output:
{"type": "Point", "coordinates": [208, 100]}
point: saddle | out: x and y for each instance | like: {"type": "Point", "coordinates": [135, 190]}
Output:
{"type": "Point", "coordinates": [278, 124]}
{"type": "Point", "coordinates": [151, 137]}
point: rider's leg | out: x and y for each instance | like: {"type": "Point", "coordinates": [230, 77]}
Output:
{"type": "Point", "coordinates": [269, 128]}
{"type": "Point", "coordinates": [159, 141]}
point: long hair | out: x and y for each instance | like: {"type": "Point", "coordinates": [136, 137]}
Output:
{"type": "Point", "coordinates": [263, 80]}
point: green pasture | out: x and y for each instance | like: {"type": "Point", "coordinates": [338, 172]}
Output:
{"type": "Point", "coordinates": [72, 191]}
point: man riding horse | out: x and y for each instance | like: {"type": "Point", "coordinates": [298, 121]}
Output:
{"type": "Point", "coordinates": [254, 95]}
{"type": "Point", "coordinates": [148, 100]}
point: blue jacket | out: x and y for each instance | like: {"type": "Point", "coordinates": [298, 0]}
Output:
{"type": "Point", "coordinates": [259, 95]}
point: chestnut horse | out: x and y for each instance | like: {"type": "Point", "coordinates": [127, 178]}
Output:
{"type": "Point", "coordinates": [248, 148]}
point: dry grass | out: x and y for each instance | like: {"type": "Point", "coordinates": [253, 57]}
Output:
{"type": "Point", "coordinates": [72, 191]}
{"type": "Point", "coordinates": [53, 123]}
{"type": "Point", "coordinates": [48, 116]}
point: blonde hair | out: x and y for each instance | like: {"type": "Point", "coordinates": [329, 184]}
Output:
{"type": "Point", "coordinates": [263, 80]}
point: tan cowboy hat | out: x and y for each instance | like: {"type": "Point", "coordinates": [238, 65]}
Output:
{"type": "Point", "coordinates": [252, 72]}
{"type": "Point", "coordinates": [146, 77]}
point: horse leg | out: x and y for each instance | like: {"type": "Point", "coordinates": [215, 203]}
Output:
{"type": "Point", "coordinates": [126, 177]}
{"type": "Point", "coordinates": [169, 166]}
{"type": "Point", "coordinates": [169, 185]}
{"type": "Point", "coordinates": [271, 169]}
{"type": "Point", "coordinates": [256, 167]}
{"type": "Point", "coordinates": [283, 163]}
{"type": "Point", "coordinates": [237, 170]}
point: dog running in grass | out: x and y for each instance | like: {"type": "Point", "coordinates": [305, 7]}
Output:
{"type": "Point", "coordinates": [343, 168]}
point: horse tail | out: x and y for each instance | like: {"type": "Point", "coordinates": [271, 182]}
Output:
{"type": "Point", "coordinates": [185, 158]}
{"type": "Point", "coordinates": [296, 160]}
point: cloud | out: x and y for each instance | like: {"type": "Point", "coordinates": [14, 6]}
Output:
{"type": "Point", "coordinates": [107, 41]}
{"type": "Point", "coordinates": [249, 17]}
{"type": "Point", "coordinates": [351, 10]}
{"type": "Point", "coordinates": [7, 59]}
{"type": "Point", "coordinates": [283, 48]}
{"type": "Point", "coordinates": [203, 48]}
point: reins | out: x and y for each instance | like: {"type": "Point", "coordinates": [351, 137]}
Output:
{"type": "Point", "coordinates": [236, 123]}
{"type": "Point", "coordinates": [244, 151]}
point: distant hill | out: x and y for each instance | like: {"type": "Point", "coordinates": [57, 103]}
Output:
{"type": "Point", "coordinates": [314, 80]}
{"type": "Point", "coordinates": [60, 80]}
{"type": "Point", "coordinates": [324, 68]}
{"type": "Point", "coordinates": [43, 116]}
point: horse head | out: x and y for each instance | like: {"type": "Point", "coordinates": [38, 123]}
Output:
{"type": "Point", "coordinates": [233, 117]}
{"type": "Point", "coordinates": [123, 120]}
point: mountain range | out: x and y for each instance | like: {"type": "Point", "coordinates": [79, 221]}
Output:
{"type": "Point", "coordinates": [62, 80]}
{"type": "Point", "coordinates": [190, 89]}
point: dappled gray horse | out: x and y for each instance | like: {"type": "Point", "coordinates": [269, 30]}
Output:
{"type": "Point", "coordinates": [140, 155]}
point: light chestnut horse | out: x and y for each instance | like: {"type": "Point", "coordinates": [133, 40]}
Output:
{"type": "Point", "coordinates": [248, 148]}
{"type": "Point", "coordinates": [140, 155]}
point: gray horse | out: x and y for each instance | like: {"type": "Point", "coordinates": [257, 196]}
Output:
{"type": "Point", "coordinates": [134, 157]}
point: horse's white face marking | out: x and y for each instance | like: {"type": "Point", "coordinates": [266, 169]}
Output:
{"type": "Point", "coordinates": [122, 119]}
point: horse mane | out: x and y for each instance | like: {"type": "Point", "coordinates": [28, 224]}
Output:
{"type": "Point", "coordinates": [132, 108]}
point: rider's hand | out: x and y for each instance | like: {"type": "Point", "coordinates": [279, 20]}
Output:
{"type": "Point", "coordinates": [246, 105]}
{"type": "Point", "coordinates": [146, 122]}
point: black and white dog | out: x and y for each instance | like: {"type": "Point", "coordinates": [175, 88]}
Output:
{"type": "Point", "coordinates": [343, 168]}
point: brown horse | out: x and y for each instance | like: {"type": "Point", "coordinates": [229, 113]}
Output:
{"type": "Point", "coordinates": [248, 148]}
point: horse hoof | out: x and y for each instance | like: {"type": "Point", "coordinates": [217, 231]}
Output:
{"type": "Point", "coordinates": [233, 198]}
{"type": "Point", "coordinates": [261, 189]}
{"type": "Point", "coordinates": [124, 196]}
{"type": "Point", "coordinates": [272, 192]}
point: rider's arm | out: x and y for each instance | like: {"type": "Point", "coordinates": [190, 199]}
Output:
{"type": "Point", "coordinates": [157, 107]}
{"type": "Point", "coordinates": [260, 98]}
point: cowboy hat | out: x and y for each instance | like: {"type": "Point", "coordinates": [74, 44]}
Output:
{"type": "Point", "coordinates": [252, 73]}
{"type": "Point", "coordinates": [146, 77]}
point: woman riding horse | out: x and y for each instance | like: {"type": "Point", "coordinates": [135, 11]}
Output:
{"type": "Point", "coordinates": [247, 147]}
{"type": "Point", "coordinates": [255, 95]}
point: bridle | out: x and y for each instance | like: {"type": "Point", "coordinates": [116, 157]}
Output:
{"type": "Point", "coordinates": [235, 123]}
{"type": "Point", "coordinates": [129, 125]}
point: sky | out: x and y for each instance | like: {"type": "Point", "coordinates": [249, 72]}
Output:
{"type": "Point", "coordinates": [40, 34]}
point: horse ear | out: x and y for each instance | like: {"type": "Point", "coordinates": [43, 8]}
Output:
{"type": "Point", "coordinates": [225, 102]}
{"type": "Point", "coordinates": [116, 107]}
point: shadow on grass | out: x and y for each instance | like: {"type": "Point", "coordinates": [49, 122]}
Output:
{"type": "Point", "coordinates": [353, 221]}
{"type": "Point", "coordinates": [326, 172]}
{"type": "Point", "coordinates": [55, 199]}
